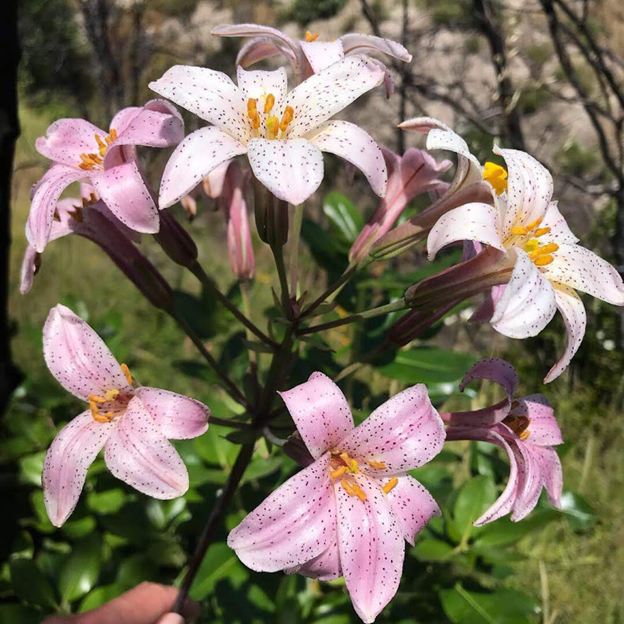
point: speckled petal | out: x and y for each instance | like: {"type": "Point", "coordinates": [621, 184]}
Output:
{"type": "Point", "coordinates": [550, 469]}
{"type": "Point", "coordinates": [355, 43]}
{"type": "Point", "coordinates": [295, 524]}
{"type": "Point", "coordinates": [324, 567]}
{"type": "Point", "coordinates": [404, 433]}
{"type": "Point", "coordinates": [574, 316]}
{"type": "Point", "coordinates": [78, 357]}
{"type": "Point", "coordinates": [292, 170]}
{"type": "Point", "coordinates": [125, 192]}
{"type": "Point", "coordinates": [209, 94]}
{"type": "Point", "coordinates": [259, 49]}
{"type": "Point", "coordinates": [178, 417]}
{"type": "Point", "coordinates": [496, 370]}
{"type": "Point", "coordinates": [140, 455]}
{"type": "Point", "coordinates": [371, 546]}
{"type": "Point", "coordinates": [543, 428]}
{"type": "Point", "coordinates": [357, 147]}
{"type": "Point", "coordinates": [528, 303]}
{"type": "Point", "coordinates": [530, 483]}
{"type": "Point", "coordinates": [66, 463]}
{"type": "Point", "coordinates": [324, 94]}
{"type": "Point", "coordinates": [529, 189]}
{"type": "Point", "coordinates": [475, 222]}
{"type": "Point", "coordinates": [559, 230]}
{"type": "Point", "coordinates": [413, 506]}
{"type": "Point", "coordinates": [66, 139]}
{"type": "Point", "coordinates": [258, 84]}
{"type": "Point", "coordinates": [200, 153]}
{"type": "Point", "coordinates": [583, 270]}
{"type": "Point", "coordinates": [322, 54]}
{"type": "Point", "coordinates": [321, 413]}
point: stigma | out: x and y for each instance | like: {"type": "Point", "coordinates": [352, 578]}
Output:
{"type": "Point", "coordinates": [496, 176]}
{"type": "Point", "coordinates": [95, 160]}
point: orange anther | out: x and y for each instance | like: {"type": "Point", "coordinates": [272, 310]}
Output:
{"type": "Point", "coordinates": [543, 260]}
{"type": "Point", "coordinates": [347, 487]}
{"type": "Point", "coordinates": [541, 231]}
{"type": "Point", "coordinates": [359, 492]}
{"type": "Point", "coordinates": [519, 230]}
{"type": "Point", "coordinates": [549, 248]}
{"type": "Point", "coordinates": [377, 465]}
{"type": "Point", "coordinates": [113, 134]}
{"type": "Point", "coordinates": [390, 485]}
{"type": "Point", "coordinates": [287, 117]}
{"type": "Point", "coordinates": [96, 398]}
{"type": "Point", "coordinates": [336, 474]}
{"type": "Point", "coordinates": [102, 418]}
{"type": "Point", "coordinates": [309, 37]}
{"type": "Point", "coordinates": [534, 224]}
{"type": "Point", "coordinates": [525, 434]}
{"type": "Point", "coordinates": [269, 103]}
{"type": "Point", "coordinates": [126, 372]}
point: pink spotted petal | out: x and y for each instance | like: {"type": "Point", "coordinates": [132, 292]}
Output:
{"type": "Point", "coordinates": [543, 428]}
{"type": "Point", "coordinates": [559, 230]}
{"type": "Point", "coordinates": [258, 49]}
{"type": "Point", "coordinates": [257, 84]}
{"type": "Point", "coordinates": [531, 483]}
{"type": "Point", "coordinates": [324, 567]}
{"type": "Point", "coordinates": [29, 269]}
{"type": "Point", "coordinates": [139, 454]}
{"type": "Point", "coordinates": [404, 433]}
{"type": "Point", "coordinates": [552, 475]}
{"type": "Point", "coordinates": [214, 181]}
{"type": "Point", "coordinates": [354, 43]}
{"type": "Point", "coordinates": [125, 192]}
{"type": "Point", "coordinates": [177, 416]}
{"type": "Point", "coordinates": [574, 316]}
{"type": "Point", "coordinates": [321, 413]}
{"type": "Point", "coordinates": [583, 270]}
{"type": "Point", "coordinates": [292, 170]}
{"type": "Point", "coordinates": [44, 201]}
{"type": "Point", "coordinates": [322, 54]}
{"type": "Point", "coordinates": [357, 147]}
{"type": "Point", "coordinates": [200, 153]}
{"type": "Point", "coordinates": [370, 539]}
{"type": "Point", "coordinates": [476, 222]}
{"type": "Point", "coordinates": [67, 139]}
{"type": "Point", "coordinates": [529, 190]}
{"type": "Point", "coordinates": [528, 303]}
{"type": "Point", "coordinates": [209, 94]}
{"type": "Point", "coordinates": [66, 463]}
{"type": "Point", "coordinates": [78, 357]}
{"type": "Point", "coordinates": [413, 506]}
{"type": "Point", "coordinates": [496, 370]}
{"type": "Point", "coordinates": [485, 312]}
{"type": "Point", "coordinates": [324, 94]}
{"type": "Point", "coordinates": [295, 524]}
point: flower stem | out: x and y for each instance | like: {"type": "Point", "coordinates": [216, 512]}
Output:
{"type": "Point", "coordinates": [399, 304]}
{"type": "Point", "coordinates": [294, 250]}
{"type": "Point", "coordinates": [278, 254]}
{"type": "Point", "coordinates": [242, 461]}
{"type": "Point", "coordinates": [244, 286]}
{"type": "Point", "coordinates": [227, 422]}
{"type": "Point", "coordinates": [210, 285]}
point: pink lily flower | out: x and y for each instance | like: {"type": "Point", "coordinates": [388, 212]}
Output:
{"type": "Point", "coordinates": [108, 161]}
{"type": "Point", "coordinates": [409, 176]}
{"type": "Point", "coordinates": [349, 512]}
{"type": "Point", "coordinates": [132, 424]}
{"type": "Point", "coordinates": [539, 266]}
{"type": "Point", "coordinates": [310, 56]}
{"type": "Point", "coordinates": [282, 134]}
{"type": "Point", "coordinates": [526, 429]}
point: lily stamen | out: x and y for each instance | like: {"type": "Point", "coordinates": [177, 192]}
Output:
{"type": "Point", "coordinates": [269, 103]}
{"type": "Point", "coordinates": [126, 372]}
{"type": "Point", "coordinates": [390, 485]}
{"type": "Point", "coordinates": [287, 117]}
{"type": "Point", "coordinates": [309, 37]}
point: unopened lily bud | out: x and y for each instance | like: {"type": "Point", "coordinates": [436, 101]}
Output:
{"type": "Point", "coordinates": [175, 241]}
{"type": "Point", "coordinates": [271, 216]}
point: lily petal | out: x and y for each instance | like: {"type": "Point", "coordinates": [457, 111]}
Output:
{"type": "Point", "coordinates": [559, 230]}
{"type": "Point", "coordinates": [404, 433]}
{"type": "Point", "coordinates": [583, 270]}
{"type": "Point", "coordinates": [67, 139]}
{"type": "Point", "coordinates": [258, 49]}
{"type": "Point", "coordinates": [209, 94]}
{"type": "Point", "coordinates": [496, 370]}
{"type": "Point", "coordinates": [354, 43]}
{"type": "Point", "coordinates": [324, 567]}
{"type": "Point", "coordinates": [177, 416]}
{"type": "Point", "coordinates": [531, 483]}
{"type": "Point", "coordinates": [321, 413]}
{"type": "Point", "coordinates": [574, 316]}
{"type": "Point", "coordinates": [292, 170]}
{"type": "Point", "coordinates": [44, 201]}
{"type": "Point", "coordinates": [413, 506]}
{"type": "Point", "coordinates": [324, 94]}
{"type": "Point", "coordinates": [199, 153]}
{"type": "Point", "coordinates": [357, 147]}
{"type": "Point", "coordinates": [140, 455]}
{"type": "Point", "coordinates": [257, 84]}
{"type": "Point", "coordinates": [124, 190]}
{"type": "Point", "coordinates": [371, 547]}
{"type": "Point", "coordinates": [78, 357]}
{"type": "Point", "coordinates": [322, 54]}
{"type": "Point", "coordinates": [66, 463]}
{"type": "Point", "coordinates": [551, 473]}
{"type": "Point", "coordinates": [543, 428]}
{"type": "Point", "coordinates": [475, 221]}
{"type": "Point", "coordinates": [295, 524]}
{"type": "Point", "coordinates": [528, 303]}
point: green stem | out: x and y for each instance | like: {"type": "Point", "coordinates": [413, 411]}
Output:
{"type": "Point", "coordinates": [226, 422]}
{"type": "Point", "coordinates": [210, 285]}
{"type": "Point", "coordinates": [278, 254]}
{"type": "Point", "coordinates": [244, 286]}
{"type": "Point", "coordinates": [294, 250]}
{"type": "Point", "coordinates": [399, 304]}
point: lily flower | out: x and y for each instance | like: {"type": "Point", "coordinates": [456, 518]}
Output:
{"type": "Point", "coordinates": [310, 55]}
{"type": "Point", "coordinates": [283, 134]}
{"type": "Point", "coordinates": [530, 266]}
{"type": "Point", "coordinates": [108, 161]}
{"type": "Point", "coordinates": [409, 176]}
{"type": "Point", "coordinates": [132, 424]}
{"type": "Point", "coordinates": [526, 429]}
{"type": "Point", "coordinates": [349, 512]}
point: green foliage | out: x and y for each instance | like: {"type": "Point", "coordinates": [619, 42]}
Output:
{"type": "Point", "coordinates": [577, 160]}
{"type": "Point", "coordinates": [306, 11]}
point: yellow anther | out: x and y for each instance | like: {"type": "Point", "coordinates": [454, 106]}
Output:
{"type": "Point", "coordinates": [377, 465]}
{"type": "Point", "coordinates": [531, 245]}
{"type": "Point", "coordinates": [311, 37]}
{"type": "Point", "coordinates": [541, 231]}
{"type": "Point", "coordinates": [272, 126]}
{"type": "Point", "coordinates": [496, 176]}
{"type": "Point", "coordinates": [390, 485]}
{"type": "Point", "coordinates": [96, 398]}
{"type": "Point", "coordinates": [113, 134]}
{"type": "Point", "coordinates": [348, 487]}
{"type": "Point", "coordinates": [525, 434]}
{"type": "Point", "coordinates": [336, 474]}
{"type": "Point", "coordinates": [252, 112]}
{"type": "Point", "coordinates": [519, 230]}
{"type": "Point", "coordinates": [103, 145]}
{"type": "Point", "coordinates": [126, 372]}
{"type": "Point", "coordinates": [287, 117]}
{"type": "Point", "coordinates": [111, 395]}
{"type": "Point", "coordinates": [549, 248]}
{"type": "Point", "coordinates": [101, 418]}
{"type": "Point", "coordinates": [269, 103]}
{"type": "Point", "coordinates": [534, 224]}
{"type": "Point", "coordinates": [359, 492]}
{"type": "Point", "coordinates": [543, 260]}
{"type": "Point", "coordinates": [351, 464]}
